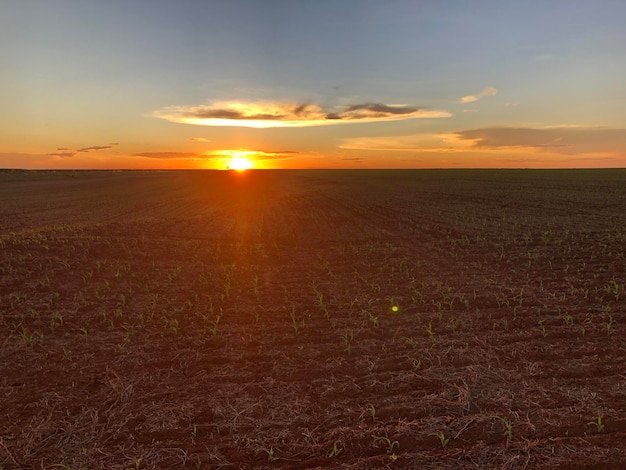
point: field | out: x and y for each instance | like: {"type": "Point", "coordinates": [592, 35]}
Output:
{"type": "Point", "coordinates": [454, 319]}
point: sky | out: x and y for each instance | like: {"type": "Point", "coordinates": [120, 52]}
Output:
{"type": "Point", "coordinates": [181, 84]}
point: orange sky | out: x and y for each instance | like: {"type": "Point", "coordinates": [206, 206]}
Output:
{"type": "Point", "coordinates": [402, 84]}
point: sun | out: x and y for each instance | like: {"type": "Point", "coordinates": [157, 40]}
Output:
{"type": "Point", "coordinates": [239, 164]}
{"type": "Point", "coordinates": [239, 160]}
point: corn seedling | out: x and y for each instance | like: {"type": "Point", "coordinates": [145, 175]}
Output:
{"type": "Point", "coordinates": [136, 466]}
{"type": "Point", "coordinates": [613, 288]}
{"type": "Point", "coordinates": [295, 323]}
{"type": "Point", "coordinates": [31, 338]}
{"type": "Point", "coordinates": [255, 286]}
{"type": "Point", "coordinates": [372, 411]}
{"type": "Point", "coordinates": [429, 330]}
{"type": "Point", "coordinates": [372, 318]}
{"type": "Point", "coordinates": [598, 423]}
{"type": "Point", "coordinates": [335, 451]}
{"type": "Point", "coordinates": [609, 324]}
{"type": "Point", "coordinates": [542, 328]}
{"type": "Point", "coordinates": [388, 443]}
{"type": "Point", "coordinates": [508, 427]}
{"type": "Point", "coordinates": [348, 336]}
{"type": "Point", "coordinates": [215, 323]}
{"type": "Point", "coordinates": [442, 438]}
{"type": "Point", "coordinates": [56, 320]}
{"type": "Point", "coordinates": [269, 452]}
{"type": "Point", "coordinates": [175, 326]}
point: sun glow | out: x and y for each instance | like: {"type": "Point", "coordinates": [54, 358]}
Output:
{"type": "Point", "coordinates": [239, 160]}
{"type": "Point", "coordinates": [239, 164]}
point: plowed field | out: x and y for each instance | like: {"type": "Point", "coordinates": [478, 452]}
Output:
{"type": "Point", "coordinates": [467, 319]}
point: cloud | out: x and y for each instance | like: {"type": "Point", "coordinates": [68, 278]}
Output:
{"type": "Point", "coordinates": [569, 140]}
{"type": "Point", "coordinates": [251, 154]}
{"type": "Point", "coordinates": [488, 91]}
{"type": "Point", "coordinates": [282, 114]}
{"type": "Point", "coordinates": [66, 152]}
{"type": "Point", "coordinates": [226, 154]}
{"type": "Point", "coordinates": [404, 143]}
{"type": "Point", "coordinates": [95, 147]}
{"type": "Point", "coordinates": [200, 139]}
{"type": "Point", "coordinates": [563, 140]}
{"type": "Point", "coordinates": [167, 155]}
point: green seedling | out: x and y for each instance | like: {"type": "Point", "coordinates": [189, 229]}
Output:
{"type": "Point", "coordinates": [136, 466]}
{"type": "Point", "coordinates": [609, 324]}
{"type": "Point", "coordinates": [295, 323]}
{"type": "Point", "coordinates": [542, 328]}
{"type": "Point", "coordinates": [372, 411]}
{"type": "Point", "coordinates": [417, 364]}
{"type": "Point", "coordinates": [348, 337]}
{"type": "Point", "coordinates": [598, 423]}
{"type": "Point", "coordinates": [442, 438]}
{"type": "Point", "coordinates": [429, 330]}
{"type": "Point", "coordinates": [56, 320]}
{"type": "Point", "coordinates": [388, 443]}
{"type": "Point", "coordinates": [269, 452]}
{"type": "Point", "coordinates": [335, 451]}
{"type": "Point", "coordinates": [508, 427]}
{"type": "Point", "coordinates": [215, 323]}
{"type": "Point", "coordinates": [175, 326]}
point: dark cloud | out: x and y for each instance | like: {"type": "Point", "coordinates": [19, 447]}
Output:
{"type": "Point", "coordinates": [66, 152]}
{"type": "Point", "coordinates": [382, 109]}
{"type": "Point", "coordinates": [95, 147]}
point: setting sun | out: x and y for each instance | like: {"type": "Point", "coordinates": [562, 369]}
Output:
{"type": "Point", "coordinates": [239, 164]}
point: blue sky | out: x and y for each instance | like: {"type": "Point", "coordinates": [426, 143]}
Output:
{"type": "Point", "coordinates": [355, 84]}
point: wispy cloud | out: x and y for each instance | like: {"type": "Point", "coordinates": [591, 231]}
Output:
{"type": "Point", "coordinates": [488, 91]}
{"type": "Point", "coordinates": [200, 139]}
{"type": "Point", "coordinates": [252, 154]}
{"type": "Point", "coordinates": [405, 143]}
{"type": "Point", "coordinates": [62, 154]}
{"type": "Point", "coordinates": [564, 140]}
{"type": "Point", "coordinates": [95, 147]}
{"type": "Point", "coordinates": [167, 155]}
{"type": "Point", "coordinates": [66, 152]}
{"type": "Point", "coordinates": [281, 114]}
{"type": "Point", "coordinates": [225, 154]}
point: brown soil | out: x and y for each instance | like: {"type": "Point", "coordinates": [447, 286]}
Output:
{"type": "Point", "coordinates": [247, 320]}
